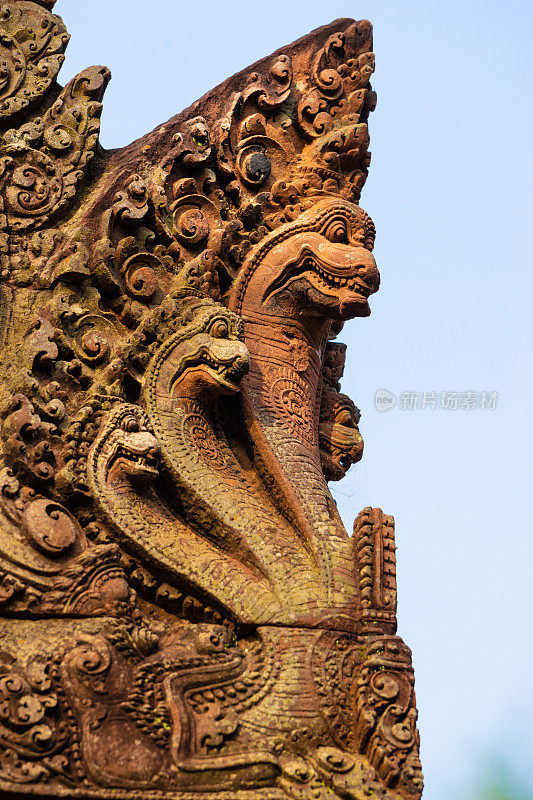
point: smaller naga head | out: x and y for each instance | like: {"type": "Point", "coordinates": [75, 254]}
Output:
{"type": "Point", "coordinates": [340, 441]}
{"type": "Point", "coordinates": [206, 357]}
{"type": "Point", "coordinates": [131, 448]}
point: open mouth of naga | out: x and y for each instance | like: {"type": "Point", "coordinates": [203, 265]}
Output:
{"type": "Point", "coordinates": [360, 279]}
{"type": "Point", "coordinates": [136, 462]}
{"type": "Point", "coordinates": [227, 371]}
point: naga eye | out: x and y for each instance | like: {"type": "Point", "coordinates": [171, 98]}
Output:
{"type": "Point", "coordinates": [219, 329]}
{"type": "Point", "coordinates": [336, 231]}
{"type": "Point", "coordinates": [130, 424]}
{"type": "Point", "coordinates": [344, 417]}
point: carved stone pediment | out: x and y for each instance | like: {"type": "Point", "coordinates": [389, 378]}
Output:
{"type": "Point", "coordinates": [182, 609]}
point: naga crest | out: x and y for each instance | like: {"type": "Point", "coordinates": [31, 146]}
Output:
{"type": "Point", "coordinates": [182, 607]}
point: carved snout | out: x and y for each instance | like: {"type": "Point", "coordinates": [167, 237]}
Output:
{"type": "Point", "coordinates": [348, 265]}
{"type": "Point", "coordinates": [232, 357]}
{"type": "Point", "coordinates": [138, 454]}
{"type": "Point", "coordinates": [365, 267]}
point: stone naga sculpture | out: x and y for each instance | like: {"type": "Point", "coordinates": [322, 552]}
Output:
{"type": "Point", "coordinates": [182, 608]}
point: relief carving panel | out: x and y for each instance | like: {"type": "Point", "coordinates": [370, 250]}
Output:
{"type": "Point", "coordinates": [181, 606]}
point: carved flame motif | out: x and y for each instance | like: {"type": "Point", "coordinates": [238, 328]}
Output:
{"type": "Point", "coordinates": [182, 608]}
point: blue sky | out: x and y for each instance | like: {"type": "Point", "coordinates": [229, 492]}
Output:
{"type": "Point", "coordinates": [449, 191]}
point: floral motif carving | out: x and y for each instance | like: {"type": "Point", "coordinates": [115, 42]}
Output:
{"type": "Point", "coordinates": [386, 713]}
{"type": "Point", "coordinates": [32, 46]}
{"type": "Point", "coordinates": [42, 162]}
{"type": "Point", "coordinates": [32, 732]}
{"type": "Point", "coordinates": [288, 398]}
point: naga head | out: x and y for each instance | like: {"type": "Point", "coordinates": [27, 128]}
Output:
{"type": "Point", "coordinates": [340, 441]}
{"type": "Point", "coordinates": [206, 357]}
{"type": "Point", "coordinates": [319, 266]}
{"type": "Point", "coordinates": [130, 446]}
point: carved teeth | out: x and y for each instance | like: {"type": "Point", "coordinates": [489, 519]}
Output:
{"type": "Point", "coordinates": [137, 458]}
{"type": "Point", "coordinates": [352, 283]}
